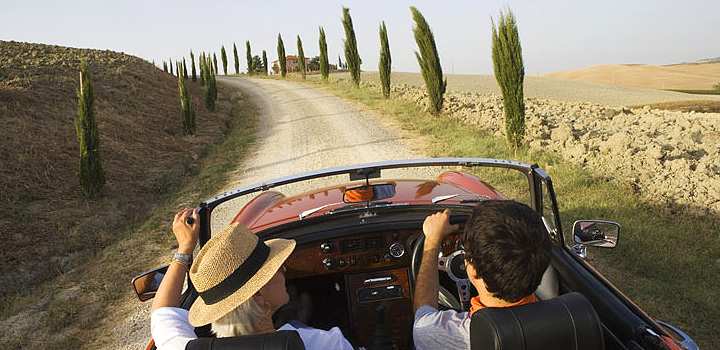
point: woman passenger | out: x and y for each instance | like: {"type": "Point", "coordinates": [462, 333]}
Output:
{"type": "Point", "coordinates": [241, 283]}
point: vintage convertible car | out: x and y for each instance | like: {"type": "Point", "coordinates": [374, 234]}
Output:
{"type": "Point", "coordinates": [359, 247]}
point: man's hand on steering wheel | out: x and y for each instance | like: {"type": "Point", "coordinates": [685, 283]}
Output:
{"type": "Point", "coordinates": [436, 227]}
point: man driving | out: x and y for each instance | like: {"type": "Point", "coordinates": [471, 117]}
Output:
{"type": "Point", "coordinates": [507, 250]}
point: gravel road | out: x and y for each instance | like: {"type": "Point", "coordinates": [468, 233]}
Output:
{"type": "Point", "coordinates": [301, 129]}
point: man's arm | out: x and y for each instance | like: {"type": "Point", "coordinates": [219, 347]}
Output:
{"type": "Point", "coordinates": [436, 227]}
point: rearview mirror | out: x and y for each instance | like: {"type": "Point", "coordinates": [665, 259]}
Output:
{"type": "Point", "coordinates": [368, 193]}
{"type": "Point", "coordinates": [147, 284]}
{"type": "Point", "coordinates": [596, 233]}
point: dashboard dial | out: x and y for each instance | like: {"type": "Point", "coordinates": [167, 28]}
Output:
{"type": "Point", "coordinates": [397, 250]}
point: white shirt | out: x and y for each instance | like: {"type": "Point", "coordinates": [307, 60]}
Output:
{"type": "Point", "coordinates": [171, 330]}
{"type": "Point", "coordinates": [434, 329]}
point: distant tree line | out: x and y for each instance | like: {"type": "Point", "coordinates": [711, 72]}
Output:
{"type": "Point", "coordinates": [506, 52]}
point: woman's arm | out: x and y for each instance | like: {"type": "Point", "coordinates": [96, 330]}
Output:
{"type": "Point", "coordinates": [169, 292]}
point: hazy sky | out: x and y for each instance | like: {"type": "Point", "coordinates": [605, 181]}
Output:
{"type": "Point", "coordinates": [555, 34]}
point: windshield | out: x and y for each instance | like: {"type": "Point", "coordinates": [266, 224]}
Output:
{"type": "Point", "coordinates": [445, 182]}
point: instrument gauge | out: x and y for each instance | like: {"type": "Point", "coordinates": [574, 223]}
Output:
{"type": "Point", "coordinates": [397, 250]}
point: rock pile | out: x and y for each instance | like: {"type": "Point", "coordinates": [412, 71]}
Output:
{"type": "Point", "coordinates": [665, 156]}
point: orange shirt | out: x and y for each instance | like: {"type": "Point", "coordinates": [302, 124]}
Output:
{"type": "Point", "coordinates": [476, 305]}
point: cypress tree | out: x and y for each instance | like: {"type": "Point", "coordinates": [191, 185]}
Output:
{"type": "Point", "coordinates": [248, 55]}
{"type": "Point", "coordinates": [165, 66]}
{"type": "Point", "coordinates": [214, 62]}
{"type": "Point", "coordinates": [90, 172]}
{"type": "Point", "coordinates": [429, 62]}
{"type": "Point", "coordinates": [510, 73]}
{"type": "Point", "coordinates": [187, 111]}
{"type": "Point", "coordinates": [385, 61]}
{"type": "Point", "coordinates": [352, 57]}
{"type": "Point", "coordinates": [301, 57]}
{"type": "Point", "coordinates": [206, 68]}
{"type": "Point", "coordinates": [339, 63]}
{"type": "Point", "coordinates": [170, 66]}
{"type": "Point", "coordinates": [324, 65]}
{"type": "Point", "coordinates": [192, 68]}
{"type": "Point", "coordinates": [237, 61]}
{"type": "Point", "coordinates": [213, 86]}
{"type": "Point", "coordinates": [223, 57]}
{"type": "Point", "coordinates": [265, 66]}
{"type": "Point", "coordinates": [201, 65]}
{"type": "Point", "coordinates": [185, 75]}
{"type": "Point", "coordinates": [281, 56]}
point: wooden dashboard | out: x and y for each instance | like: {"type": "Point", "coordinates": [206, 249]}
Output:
{"type": "Point", "coordinates": [374, 271]}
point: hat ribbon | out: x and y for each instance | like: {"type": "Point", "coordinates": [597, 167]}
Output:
{"type": "Point", "coordinates": [239, 277]}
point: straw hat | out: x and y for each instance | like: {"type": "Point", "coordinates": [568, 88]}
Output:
{"type": "Point", "coordinates": [231, 267]}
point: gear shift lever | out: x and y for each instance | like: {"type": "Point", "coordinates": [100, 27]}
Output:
{"type": "Point", "coordinates": [380, 338]}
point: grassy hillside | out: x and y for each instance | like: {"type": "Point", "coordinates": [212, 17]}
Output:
{"type": "Point", "coordinates": [51, 226]}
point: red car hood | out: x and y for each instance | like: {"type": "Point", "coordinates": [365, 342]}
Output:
{"type": "Point", "coordinates": [272, 208]}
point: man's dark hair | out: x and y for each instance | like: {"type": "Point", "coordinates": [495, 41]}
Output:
{"type": "Point", "coordinates": [508, 245]}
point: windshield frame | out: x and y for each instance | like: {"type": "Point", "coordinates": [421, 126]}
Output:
{"type": "Point", "coordinates": [537, 180]}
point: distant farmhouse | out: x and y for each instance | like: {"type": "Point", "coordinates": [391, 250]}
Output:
{"type": "Point", "coordinates": [291, 64]}
{"type": "Point", "coordinates": [311, 64]}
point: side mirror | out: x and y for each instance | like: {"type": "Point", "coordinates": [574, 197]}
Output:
{"type": "Point", "coordinates": [368, 193]}
{"type": "Point", "coordinates": [147, 284]}
{"type": "Point", "coordinates": [596, 233]}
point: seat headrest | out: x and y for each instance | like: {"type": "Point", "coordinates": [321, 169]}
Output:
{"type": "Point", "coordinates": [567, 322]}
{"type": "Point", "coordinates": [280, 340]}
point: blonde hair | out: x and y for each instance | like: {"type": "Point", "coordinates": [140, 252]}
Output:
{"type": "Point", "coordinates": [239, 321]}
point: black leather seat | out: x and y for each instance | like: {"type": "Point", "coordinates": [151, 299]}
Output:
{"type": "Point", "coordinates": [567, 322]}
{"type": "Point", "coordinates": [280, 340]}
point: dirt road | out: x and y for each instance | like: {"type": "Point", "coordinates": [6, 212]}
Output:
{"type": "Point", "coordinates": [301, 129]}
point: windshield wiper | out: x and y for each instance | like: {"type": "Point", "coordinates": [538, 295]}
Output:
{"type": "Point", "coordinates": [315, 210]}
{"type": "Point", "coordinates": [479, 198]}
{"type": "Point", "coordinates": [363, 205]}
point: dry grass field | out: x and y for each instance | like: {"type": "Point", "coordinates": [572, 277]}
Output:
{"type": "Point", "coordinates": [689, 76]}
{"type": "Point", "coordinates": [549, 88]}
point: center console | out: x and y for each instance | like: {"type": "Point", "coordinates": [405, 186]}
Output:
{"type": "Point", "coordinates": [372, 270]}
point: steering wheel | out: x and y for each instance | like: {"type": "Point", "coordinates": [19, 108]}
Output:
{"type": "Point", "coordinates": [454, 266]}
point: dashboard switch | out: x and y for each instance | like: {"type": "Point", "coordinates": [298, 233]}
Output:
{"type": "Point", "coordinates": [353, 261]}
{"type": "Point", "coordinates": [326, 247]}
{"type": "Point", "coordinates": [327, 263]}
{"type": "Point", "coordinates": [342, 262]}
